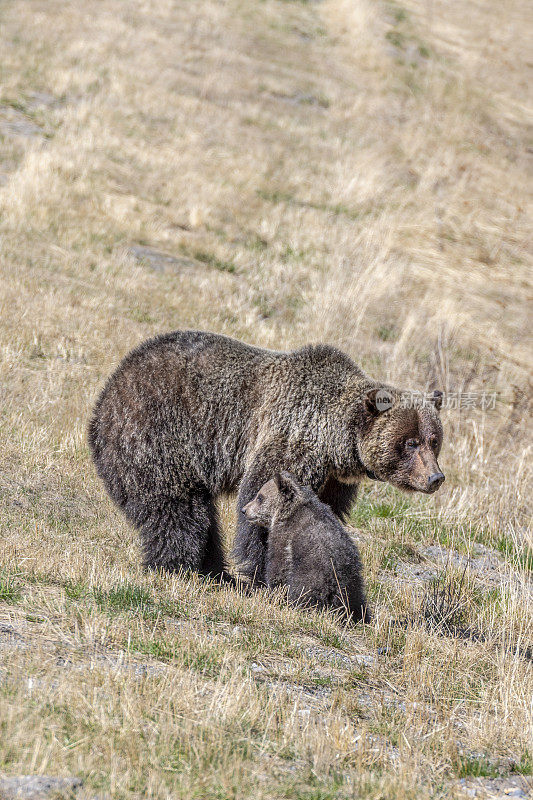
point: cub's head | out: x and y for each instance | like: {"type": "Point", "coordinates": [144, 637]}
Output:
{"type": "Point", "coordinates": [400, 444]}
{"type": "Point", "coordinates": [279, 497]}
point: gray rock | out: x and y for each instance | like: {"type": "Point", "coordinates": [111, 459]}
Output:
{"type": "Point", "coordinates": [10, 638]}
{"type": "Point", "coordinates": [159, 261]}
{"type": "Point", "coordinates": [336, 659]}
{"type": "Point", "coordinates": [305, 693]}
{"type": "Point", "coordinates": [20, 127]}
{"type": "Point", "coordinates": [518, 787]}
{"type": "Point", "coordinates": [38, 787]}
{"type": "Point", "coordinates": [41, 100]}
{"type": "Point", "coordinates": [13, 123]}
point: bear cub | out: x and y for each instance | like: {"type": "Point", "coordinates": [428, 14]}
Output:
{"type": "Point", "coordinates": [308, 550]}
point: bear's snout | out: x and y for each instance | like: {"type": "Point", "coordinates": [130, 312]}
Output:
{"type": "Point", "coordinates": [435, 480]}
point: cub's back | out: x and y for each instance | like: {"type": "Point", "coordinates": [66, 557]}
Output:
{"type": "Point", "coordinates": [319, 541]}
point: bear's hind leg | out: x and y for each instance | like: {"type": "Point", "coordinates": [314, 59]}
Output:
{"type": "Point", "coordinates": [175, 531]}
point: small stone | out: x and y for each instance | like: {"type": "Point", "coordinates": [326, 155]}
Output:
{"type": "Point", "coordinates": [159, 261]}
{"type": "Point", "coordinates": [38, 787]}
{"type": "Point", "coordinates": [337, 659]}
{"type": "Point", "coordinates": [41, 100]}
{"type": "Point", "coordinates": [21, 128]}
{"type": "Point", "coordinates": [14, 123]}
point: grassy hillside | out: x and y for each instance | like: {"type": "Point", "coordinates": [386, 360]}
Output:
{"type": "Point", "coordinates": [351, 171]}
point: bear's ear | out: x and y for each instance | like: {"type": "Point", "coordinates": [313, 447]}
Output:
{"type": "Point", "coordinates": [378, 400]}
{"type": "Point", "coordinates": [370, 401]}
{"type": "Point", "coordinates": [286, 485]}
{"type": "Point", "coordinates": [436, 399]}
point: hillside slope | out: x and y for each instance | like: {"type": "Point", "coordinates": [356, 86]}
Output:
{"type": "Point", "coordinates": [283, 172]}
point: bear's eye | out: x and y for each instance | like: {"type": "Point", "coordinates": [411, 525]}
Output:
{"type": "Point", "coordinates": [433, 442]}
{"type": "Point", "coordinates": [412, 444]}
{"type": "Point", "coordinates": [260, 498]}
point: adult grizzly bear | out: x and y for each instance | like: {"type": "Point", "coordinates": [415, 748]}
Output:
{"type": "Point", "coordinates": [190, 415]}
{"type": "Point", "coordinates": [308, 549]}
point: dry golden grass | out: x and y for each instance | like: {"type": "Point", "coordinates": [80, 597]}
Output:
{"type": "Point", "coordinates": [349, 171]}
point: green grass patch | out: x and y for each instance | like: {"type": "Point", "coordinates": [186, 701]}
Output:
{"type": "Point", "coordinates": [276, 196]}
{"type": "Point", "coordinates": [518, 555]}
{"type": "Point", "coordinates": [75, 590]}
{"type": "Point", "coordinates": [486, 598]}
{"type": "Point", "coordinates": [389, 723]}
{"type": "Point", "coordinates": [368, 508]}
{"type": "Point", "coordinates": [10, 589]}
{"type": "Point", "coordinates": [400, 15]}
{"type": "Point", "coordinates": [140, 315]}
{"type": "Point", "coordinates": [206, 661]}
{"type": "Point", "coordinates": [387, 333]}
{"type": "Point", "coordinates": [131, 598]}
{"type": "Point", "coordinates": [336, 208]}
{"type": "Point", "coordinates": [398, 551]}
{"type": "Point", "coordinates": [190, 655]}
{"type": "Point", "coordinates": [356, 676]}
{"type": "Point", "coordinates": [387, 510]}
{"type": "Point", "coordinates": [525, 765]}
{"type": "Point", "coordinates": [396, 38]}
{"type": "Point", "coordinates": [124, 597]}
{"type": "Point", "coordinates": [290, 253]}
{"type": "Point", "coordinates": [476, 767]}
{"type": "Point", "coordinates": [256, 243]}
{"type": "Point", "coordinates": [156, 648]}
{"type": "Point", "coordinates": [318, 793]}
{"type": "Point", "coordinates": [212, 261]}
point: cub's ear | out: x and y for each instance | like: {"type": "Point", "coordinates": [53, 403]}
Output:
{"type": "Point", "coordinates": [278, 481]}
{"type": "Point", "coordinates": [436, 399]}
{"type": "Point", "coordinates": [378, 400]}
{"type": "Point", "coordinates": [286, 484]}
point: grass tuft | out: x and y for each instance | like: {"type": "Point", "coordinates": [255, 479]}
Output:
{"type": "Point", "coordinates": [10, 590]}
{"type": "Point", "coordinates": [443, 606]}
{"type": "Point", "coordinates": [125, 597]}
{"type": "Point", "coordinates": [476, 767]}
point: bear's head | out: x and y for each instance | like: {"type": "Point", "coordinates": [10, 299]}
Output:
{"type": "Point", "coordinates": [399, 441]}
{"type": "Point", "coordinates": [278, 497]}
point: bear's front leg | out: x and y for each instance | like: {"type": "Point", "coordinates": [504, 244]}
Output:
{"type": "Point", "coordinates": [339, 496]}
{"type": "Point", "coordinates": [251, 540]}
